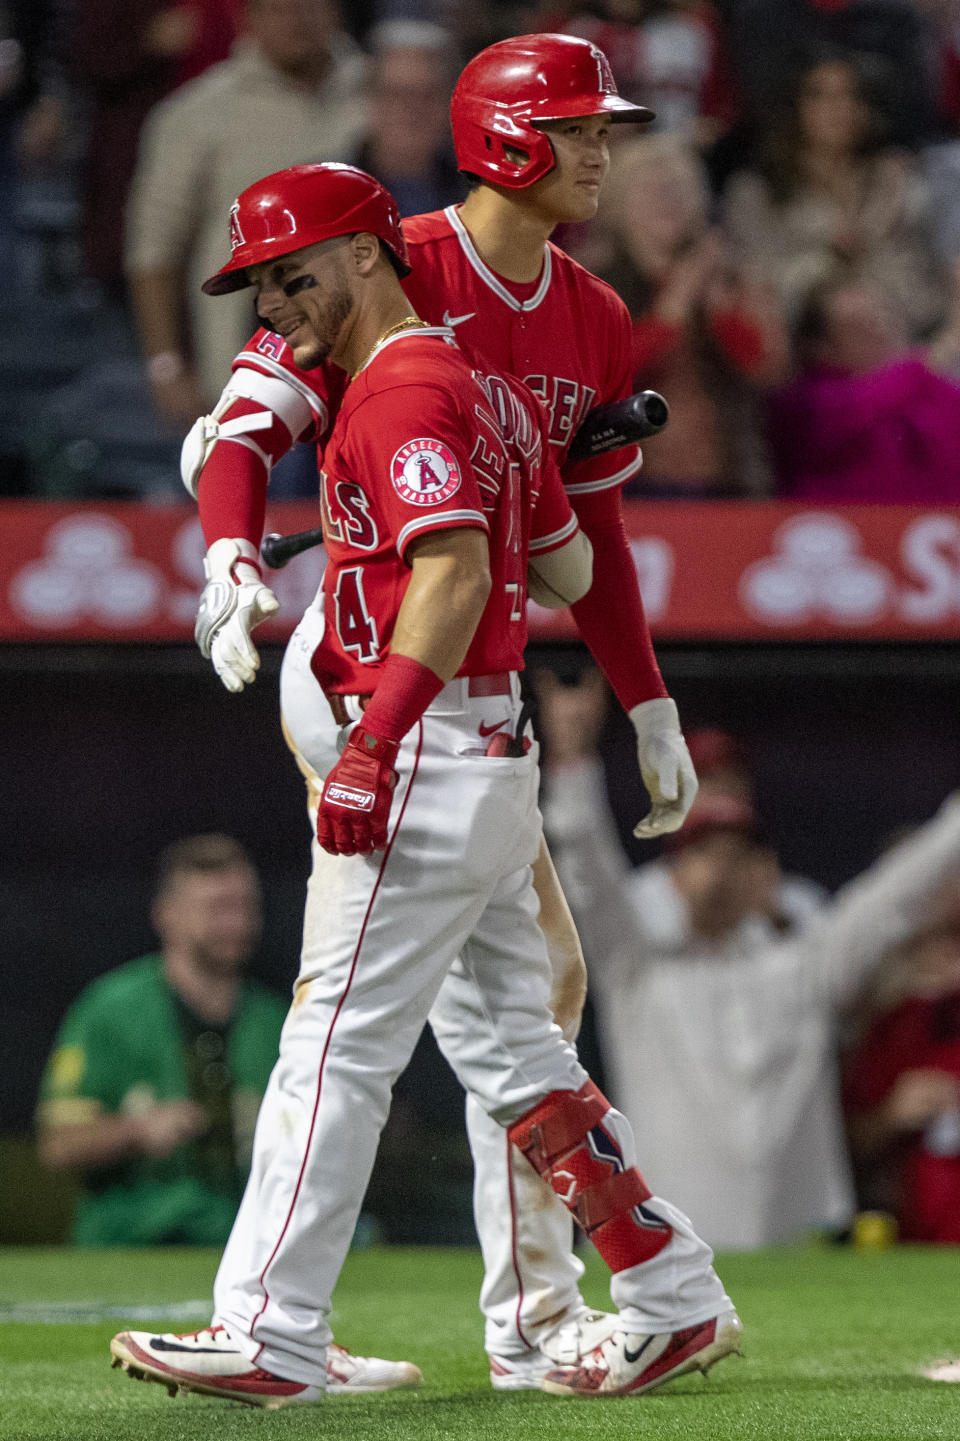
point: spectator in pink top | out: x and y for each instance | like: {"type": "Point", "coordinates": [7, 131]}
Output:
{"type": "Point", "coordinates": [866, 418]}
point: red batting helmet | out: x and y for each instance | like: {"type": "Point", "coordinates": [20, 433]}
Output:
{"type": "Point", "coordinates": [512, 87]}
{"type": "Point", "coordinates": [714, 810]}
{"type": "Point", "coordinates": [297, 207]}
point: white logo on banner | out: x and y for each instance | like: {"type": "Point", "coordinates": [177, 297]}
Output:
{"type": "Point", "coordinates": [654, 560]}
{"type": "Point", "coordinates": [930, 550]}
{"type": "Point", "coordinates": [87, 573]}
{"type": "Point", "coordinates": [817, 569]}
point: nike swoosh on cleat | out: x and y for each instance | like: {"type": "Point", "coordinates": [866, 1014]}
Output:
{"type": "Point", "coordinates": [453, 320]}
{"type": "Point", "coordinates": [158, 1344]}
{"type": "Point", "coordinates": [631, 1356]}
{"type": "Point", "coordinates": [486, 730]}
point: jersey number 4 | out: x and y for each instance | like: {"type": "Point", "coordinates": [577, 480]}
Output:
{"type": "Point", "coordinates": [356, 627]}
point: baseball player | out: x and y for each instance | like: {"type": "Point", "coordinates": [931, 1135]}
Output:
{"type": "Point", "coordinates": [438, 485]}
{"type": "Point", "coordinates": [530, 120]}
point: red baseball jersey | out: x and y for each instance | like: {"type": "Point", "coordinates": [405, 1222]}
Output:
{"type": "Point", "coordinates": [566, 335]}
{"type": "Point", "coordinates": [421, 443]}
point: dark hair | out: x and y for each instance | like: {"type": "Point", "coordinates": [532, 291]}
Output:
{"type": "Point", "coordinates": [205, 855]}
{"type": "Point", "coordinates": [810, 326]}
{"type": "Point", "coordinates": [778, 153]}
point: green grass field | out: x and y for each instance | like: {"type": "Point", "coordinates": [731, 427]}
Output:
{"type": "Point", "coordinates": [833, 1346]}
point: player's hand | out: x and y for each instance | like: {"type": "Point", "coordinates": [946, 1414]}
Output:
{"type": "Point", "coordinates": [178, 394]}
{"type": "Point", "coordinates": [355, 802]}
{"type": "Point", "coordinates": [919, 1097]}
{"type": "Point", "coordinates": [162, 1128]}
{"type": "Point", "coordinates": [665, 766]}
{"type": "Point", "coordinates": [233, 603]}
{"type": "Point", "coordinates": [570, 716]}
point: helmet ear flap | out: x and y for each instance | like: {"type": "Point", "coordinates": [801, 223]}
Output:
{"type": "Point", "coordinates": [512, 87]}
{"type": "Point", "coordinates": [497, 149]}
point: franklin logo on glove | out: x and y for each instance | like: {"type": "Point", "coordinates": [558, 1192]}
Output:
{"type": "Point", "coordinates": [355, 800]}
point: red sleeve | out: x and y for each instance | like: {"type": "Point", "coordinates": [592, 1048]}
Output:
{"type": "Point", "coordinates": [232, 489]}
{"type": "Point", "coordinates": [651, 339]}
{"type": "Point", "coordinates": [553, 521]}
{"type": "Point", "coordinates": [615, 468]}
{"type": "Point", "coordinates": [742, 339]}
{"type": "Point", "coordinates": [310, 399]}
{"type": "Point", "coordinates": [718, 96]}
{"type": "Point", "coordinates": [610, 618]}
{"type": "Point", "coordinates": [871, 1069]}
{"type": "Point", "coordinates": [409, 449]}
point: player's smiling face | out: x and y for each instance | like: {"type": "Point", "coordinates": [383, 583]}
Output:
{"type": "Point", "coordinates": [571, 191]}
{"type": "Point", "coordinates": [305, 298]}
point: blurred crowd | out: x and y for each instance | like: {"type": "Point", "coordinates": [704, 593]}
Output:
{"type": "Point", "coordinates": [787, 1057]}
{"type": "Point", "coordinates": [787, 239]}
{"type": "Point", "coordinates": [787, 236]}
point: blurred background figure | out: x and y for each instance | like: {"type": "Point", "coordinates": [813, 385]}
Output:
{"type": "Point", "coordinates": [868, 417]}
{"type": "Point", "coordinates": [670, 55]}
{"type": "Point", "coordinates": [123, 59]}
{"type": "Point", "coordinates": [891, 38]}
{"type": "Point", "coordinates": [718, 983]}
{"type": "Point", "coordinates": [902, 1084]}
{"type": "Point", "coordinates": [31, 105]}
{"type": "Point", "coordinates": [941, 159]}
{"type": "Point", "coordinates": [152, 1090]}
{"type": "Point", "coordinates": [407, 141]}
{"type": "Point", "coordinates": [825, 185]}
{"type": "Point", "coordinates": [705, 334]}
{"type": "Point", "coordinates": [292, 91]}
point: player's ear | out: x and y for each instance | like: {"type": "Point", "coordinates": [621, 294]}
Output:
{"type": "Point", "coordinates": [365, 251]}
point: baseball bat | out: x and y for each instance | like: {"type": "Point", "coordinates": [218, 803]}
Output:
{"type": "Point", "coordinates": [608, 427]}
{"type": "Point", "coordinates": [276, 550]}
{"type": "Point", "coordinates": [620, 423]}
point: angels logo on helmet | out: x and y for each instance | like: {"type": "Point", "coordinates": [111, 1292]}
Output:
{"type": "Point", "coordinates": [236, 234]}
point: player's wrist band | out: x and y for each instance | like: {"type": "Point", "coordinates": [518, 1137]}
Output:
{"type": "Point", "coordinates": [405, 688]}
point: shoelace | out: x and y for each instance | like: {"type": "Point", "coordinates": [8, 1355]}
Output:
{"type": "Point", "coordinates": [195, 1335]}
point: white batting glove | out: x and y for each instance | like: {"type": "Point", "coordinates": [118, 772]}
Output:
{"type": "Point", "coordinates": [233, 603]}
{"type": "Point", "coordinates": [665, 765]}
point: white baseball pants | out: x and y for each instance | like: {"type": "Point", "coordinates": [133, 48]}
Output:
{"type": "Point", "coordinates": [448, 906]}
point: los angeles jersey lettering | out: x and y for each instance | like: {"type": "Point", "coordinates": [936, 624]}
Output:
{"type": "Point", "coordinates": [450, 447]}
{"type": "Point", "coordinates": [569, 340]}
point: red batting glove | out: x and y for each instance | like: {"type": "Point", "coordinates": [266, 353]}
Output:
{"type": "Point", "coordinates": [355, 802]}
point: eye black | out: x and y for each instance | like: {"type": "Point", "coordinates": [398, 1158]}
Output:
{"type": "Point", "coordinates": [302, 282]}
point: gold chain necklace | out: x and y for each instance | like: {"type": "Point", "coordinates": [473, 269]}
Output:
{"type": "Point", "coordinates": [410, 322]}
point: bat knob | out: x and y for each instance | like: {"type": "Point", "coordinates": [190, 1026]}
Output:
{"type": "Point", "coordinates": [268, 550]}
{"type": "Point", "coordinates": [656, 412]}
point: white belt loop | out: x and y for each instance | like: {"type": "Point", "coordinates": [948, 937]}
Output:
{"type": "Point", "coordinates": [452, 700]}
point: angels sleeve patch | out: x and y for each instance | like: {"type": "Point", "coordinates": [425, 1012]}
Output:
{"type": "Point", "coordinates": [425, 472]}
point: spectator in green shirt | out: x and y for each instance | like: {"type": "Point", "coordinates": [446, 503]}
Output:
{"type": "Point", "coordinates": [152, 1090]}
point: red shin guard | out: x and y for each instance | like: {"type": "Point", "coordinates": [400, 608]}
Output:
{"type": "Point", "coordinates": [564, 1139]}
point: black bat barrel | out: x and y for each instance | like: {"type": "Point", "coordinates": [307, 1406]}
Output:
{"type": "Point", "coordinates": [276, 550]}
{"type": "Point", "coordinates": [623, 422]}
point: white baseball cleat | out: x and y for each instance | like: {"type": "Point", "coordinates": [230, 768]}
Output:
{"type": "Point", "coordinates": [626, 1364]}
{"type": "Point", "coordinates": [519, 1373]}
{"type": "Point", "coordinates": [208, 1362]}
{"type": "Point", "coordinates": [943, 1371]}
{"type": "Point", "coordinates": [353, 1375]}
{"type": "Point", "coordinates": [524, 1371]}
